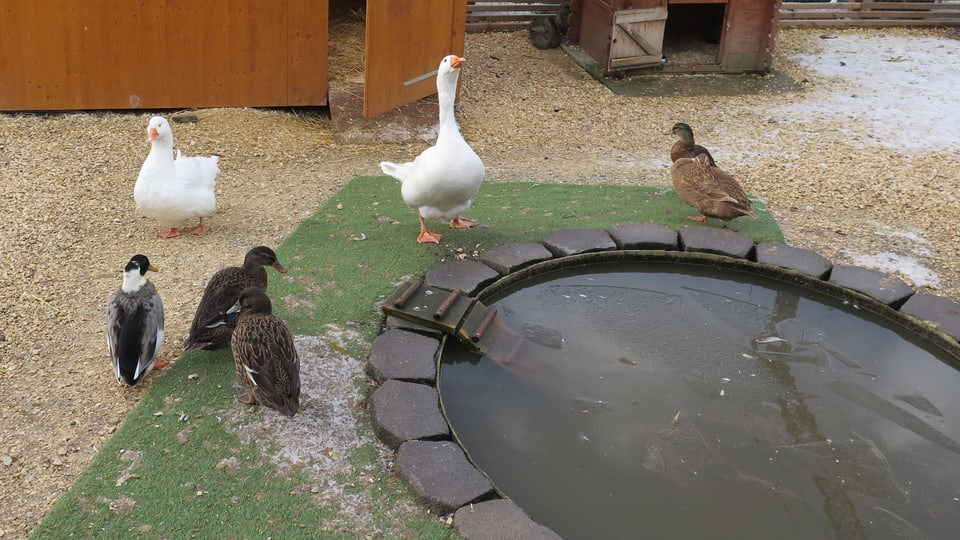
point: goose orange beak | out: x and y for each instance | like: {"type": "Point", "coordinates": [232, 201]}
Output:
{"type": "Point", "coordinates": [153, 134]}
{"type": "Point", "coordinates": [457, 61]}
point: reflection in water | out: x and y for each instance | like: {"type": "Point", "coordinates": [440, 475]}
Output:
{"type": "Point", "coordinates": [661, 401]}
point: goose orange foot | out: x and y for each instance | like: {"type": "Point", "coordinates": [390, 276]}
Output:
{"type": "Point", "coordinates": [427, 237]}
{"type": "Point", "coordinates": [199, 229]}
{"type": "Point", "coordinates": [172, 232]}
{"type": "Point", "coordinates": [159, 364]}
{"type": "Point", "coordinates": [462, 223]}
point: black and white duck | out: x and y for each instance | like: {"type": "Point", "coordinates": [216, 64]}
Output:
{"type": "Point", "coordinates": [135, 323]}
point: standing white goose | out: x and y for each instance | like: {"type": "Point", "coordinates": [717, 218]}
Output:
{"type": "Point", "coordinates": [173, 190]}
{"type": "Point", "coordinates": [442, 181]}
{"type": "Point", "coordinates": [134, 323]}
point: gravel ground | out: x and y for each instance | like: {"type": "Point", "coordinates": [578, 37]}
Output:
{"type": "Point", "coordinates": [837, 184]}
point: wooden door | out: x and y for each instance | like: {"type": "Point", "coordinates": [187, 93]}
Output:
{"type": "Point", "coordinates": [750, 28]}
{"type": "Point", "coordinates": [405, 41]}
{"type": "Point", "coordinates": [620, 34]}
{"type": "Point", "coordinates": [636, 38]}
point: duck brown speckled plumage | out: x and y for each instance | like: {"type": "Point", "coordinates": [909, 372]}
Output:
{"type": "Point", "coordinates": [264, 354]}
{"type": "Point", "coordinates": [686, 146]}
{"type": "Point", "coordinates": [709, 189]}
{"type": "Point", "coordinates": [210, 329]}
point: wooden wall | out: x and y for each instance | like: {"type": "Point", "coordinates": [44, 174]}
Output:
{"type": "Point", "coordinates": [157, 54]}
{"type": "Point", "coordinates": [507, 15]}
{"type": "Point", "coordinates": [869, 14]}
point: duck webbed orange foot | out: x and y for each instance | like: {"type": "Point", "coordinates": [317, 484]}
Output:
{"type": "Point", "coordinates": [462, 223]}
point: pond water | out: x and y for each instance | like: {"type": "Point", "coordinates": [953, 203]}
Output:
{"type": "Point", "coordinates": [665, 400]}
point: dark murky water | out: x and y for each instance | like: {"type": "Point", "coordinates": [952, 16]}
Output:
{"type": "Point", "coordinates": [659, 401]}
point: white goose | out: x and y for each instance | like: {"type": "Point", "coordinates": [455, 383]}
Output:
{"type": "Point", "coordinates": [173, 190]}
{"type": "Point", "coordinates": [442, 181]}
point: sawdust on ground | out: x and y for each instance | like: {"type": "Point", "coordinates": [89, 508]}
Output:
{"type": "Point", "coordinates": [69, 223]}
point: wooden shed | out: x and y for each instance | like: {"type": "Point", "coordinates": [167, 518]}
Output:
{"type": "Point", "coordinates": [676, 35]}
{"type": "Point", "coordinates": [121, 54]}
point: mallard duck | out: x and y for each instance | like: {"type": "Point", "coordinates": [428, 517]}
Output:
{"type": "Point", "coordinates": [442, 181]}
{"type": "Point", "coordinates": [264, 354]}
{"type": "Point", "coordinates": [135, 323]}
{"type": "Point", "coordinates": [709, 189]}
{"type": "Point", "coordinates": [686, 146]}
{"type": "Point", "coordinates": [211, 329]}
{"type": "Point", "coordinates": [173, 190]}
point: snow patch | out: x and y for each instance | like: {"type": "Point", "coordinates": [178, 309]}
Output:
{"type": "Point", "coordinates": [901, 90]}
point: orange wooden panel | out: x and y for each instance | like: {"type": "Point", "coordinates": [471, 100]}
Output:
{"type": "Point", "coordinates": [405, 40]}
{"type": "Point", "coordinates": [156, 54]}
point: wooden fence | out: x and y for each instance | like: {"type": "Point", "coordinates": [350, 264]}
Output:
{"type": "Point", "coordinates": [869, 14]}
{"type": "Point", "coordinates": [507, 15]}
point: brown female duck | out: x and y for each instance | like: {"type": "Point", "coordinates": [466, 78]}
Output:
{"type": "Point", "coordinates": [210, 329]}
{"type": "Point", "coordinates": [264, 354]}
{"type": "Point", "coordinates": [686, 146]}
{"type": "Point", "coordinates": [709, 189]}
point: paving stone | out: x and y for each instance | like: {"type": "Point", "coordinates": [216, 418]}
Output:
{"type": "Point", "coordinates": [512, 257]}
{"type": "Point", "coordinates": [574, 241]}
{"type": "Point", "coordinates": [703, 239]}
{"type": "Point", "coordinates": [644, 236]}
{"type": "Point", "coordinates": [498, 519]}
{"type": "Point", "coordinates": [802, 260]}
{"type": "Point", "coordinates": [403, 355]}
{"type": "Point", "coordinates": [440, 475]}
{"type": "Point", "coordinates": [403, 411]}
{"type": "Point", "coordinates": [942, 312]}
{"type": "Point", "coordinates": [881, 286]}
{"type": "Point", "coordinates": [468, 276]}
{"type": "Point", "coordinates": [403, 324]}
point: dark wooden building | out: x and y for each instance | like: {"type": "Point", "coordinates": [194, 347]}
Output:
{"type": "Point", "coordinates": [676, 35]}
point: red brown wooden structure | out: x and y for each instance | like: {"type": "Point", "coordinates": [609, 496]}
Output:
{"type": "Point", "coordinates": [676, 35]}
{"type": "Point", "coordinates": [121, 54]}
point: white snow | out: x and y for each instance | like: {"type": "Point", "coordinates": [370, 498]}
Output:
{"type": "Point", "coordinates": [902, 90]}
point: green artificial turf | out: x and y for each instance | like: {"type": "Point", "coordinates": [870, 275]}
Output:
{"type": "Point", "coordinates": [173, 470]}
{"type": "Point", "coordinates": [362, 244]}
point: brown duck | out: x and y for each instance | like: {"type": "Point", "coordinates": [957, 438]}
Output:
{"type": "Point", "coordinates": [709, 189]}
{"type": "Point", "coordinates": [210, 328]}
{"type": "Point", "coordinates": [686, 146]}
{"type": "Point", "coordinates": [264, 354]}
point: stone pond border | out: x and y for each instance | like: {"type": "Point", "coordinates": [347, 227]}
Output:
{"type": "Point", "coordinates": [405, 408]}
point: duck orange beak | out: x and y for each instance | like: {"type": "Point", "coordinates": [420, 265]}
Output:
{"type": "Point", "coordinates": [457, 61]}
{"type": "Point", "coordinates": [153, 134]}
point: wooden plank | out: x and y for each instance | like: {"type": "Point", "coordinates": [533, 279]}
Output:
{"type": "Point", "coordinates": [869, 14]}
{"type": "Point", "coordinates": [507, 15]}
{"type": "Point", "coordinates": [104, 54]}
{"type": "Point", "coordinates": [870, 23]}
{"type": "Point", "coordinates": [405, 42]}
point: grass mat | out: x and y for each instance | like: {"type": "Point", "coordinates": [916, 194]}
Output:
{"type": "Point", "coordinates": [173, 470]}
{"type": "Point", "coordinates": [359, 247]}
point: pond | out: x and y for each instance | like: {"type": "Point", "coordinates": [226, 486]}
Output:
{"type": "Point", "coordinates": [672, 400]}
